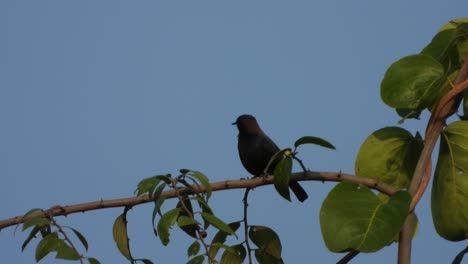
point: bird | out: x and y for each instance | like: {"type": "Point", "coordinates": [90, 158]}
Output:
{"type": "Point", "coordinates": [256, 149]}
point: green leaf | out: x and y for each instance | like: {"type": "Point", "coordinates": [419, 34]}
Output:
{"type": "Point", "coordinates": [233, 255]}
{"type": "Point", "coordinates": [193, 249]}
{"type": "Point", "coordinates": [204, 181]}
{"type": "Point", "coordinates": [411, 82]}
{"type": "Point", "coordinates": [147, 185]}
{"type": "Point", "coordinates": [352, 217]}
{"type": "Point", "coordinates": [64, 251]}
{"type": "Point", "coordinates": [38, 221]}
{"type": "Point", "coordinates": [218, 223]}
{"type": "Point", "coordinates": [282, 174]}
{"type": "Point", "coordinates": [48, 244]}
{"type": "Point", "coordinates": [449, 200]}
{"type": "Point", "coordinates": [266, 240]}
{"type": "Point", "coordinates": [80, 237]}
{"type": "Point", "coordinates": [265, 258]}
{"type": "Point", "coordinates": [93, 261]}
{"type": "Point", "coordinates": [185, 221]}
{"type": "Point", "coordinates": [275, 159]}
{"type": "Point", "coordinates": [197, 260]}
{"type": "Point", "coordinates": [31, 235]}
{"type": "Point", "coordinates": [167, 220]}
{"type": "Point", "coordinates": [443, 48]}
{"type": "Point", "coordinates": [220, 238]}
{"type": "Point", "coordinates": [313, 140]}
{"type": "Point", "coordinates": [119, 232]}
{"type": "Point", "coordinates": [145, 261]}
{"type": "Point", "coordinates": [158, 202]}
{"type": "Point", "coordinates": [389, 155]}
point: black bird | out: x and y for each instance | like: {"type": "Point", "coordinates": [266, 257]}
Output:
{"type": "Point", "coordinates": [256, 149]}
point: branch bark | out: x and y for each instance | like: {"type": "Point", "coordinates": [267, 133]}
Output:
{"type": "Point", "coordinates": [218, 186]}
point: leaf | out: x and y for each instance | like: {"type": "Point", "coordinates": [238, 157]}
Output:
{"type": "Point", "coordinates": [389, 155]}
{"type": "Point", "coordinates": [197, 260]}
{"type": "Point", "coordinates": [167, 220]}
{"type": "Point", "coordinates": [282, 174]}
{"type": "Point", "coordinates": [266, 240]}
{"type": "Point", "coordinates": [48, 244]}
{"type": "Point", "coordinates": [352, 217]}
{"type": "Point", "coordinates": [313, 140]}
{"type": "Point", "coordinates": [233, 255]}
{"type": "Point", "coordinates": [119, 232]}
{"type": "Point", "coordinates": [158, 202]}
{"type": "Point", "coordinates": [64, 251]}
{"type": "Point", "coordinates": [265, 258]}
{"type": "Point", "coordinates": [218, 223]}
{"type": "Point", "coordinates": [193, 249]}
{"type": "Point", "coordinates": [189, 229]}
{"type": "Point", "coordinates": [449, 200]}
{"type": "Point", "coordinates": [93, 261]}
{"type": "Point", "coordinates": [31, 235]}
{"type": "Point", "coordinates": [411, 81]}
{"type": "Point", "coordinates": [185, 221]}
{"type": "Point", "coordinates": [204, 181]}
{"type": "Point", "coordinates": [145, 261]}
{"type": "Point", "coordinates": [147, 185]}
{"type": "Point", "coordinates": [38, 221]}
{"type": "Point", "coordinates": [220, 238]}
{"type": "Point", "coordinates": [275, 159]}
{"type": "Point", "coordinates": [80, 237]}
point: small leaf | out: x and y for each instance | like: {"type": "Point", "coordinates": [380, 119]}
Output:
{"type": "Point", "coordinates": [266, 240]}
{"type": "Point", "coordinates": [189, 229]}
{"type": "Point", "coordinates": [157, 206]}
{"type": "Point", "coordinates": [64, 251]}
{"type": "Point", "coordinates": [93, 261]}
{"type": "Point", "coordinates": [450, 186]}
{"type": "Point", "coordinates": [31, 235]}
{"type": "Point", "coordinates": [275, 159]}
{"type": "Point", "coordinates": [265, 258]}
{"type": "Point", "coordinates": [48, 244]}
{"type": "Point", "coordinates": [220, 238]}
{"type": "Point", "coordinates": [28, 213]}
{"type": "Point", "coordinates": [313, 140]}
{"type": "Point", "coordinates": [39, 222]}
{"type": "Point", "coordinates": [119, 231]}
{"type": "Point", "coordinates": [81, 238]}
{"type": "Point", "coordinates": [167, 220]}
{"type": "Point", "coordinates": [218, 223]}
{"type": "Point", "coordinates": [204, 181]}
{"type": "Point", "coordinates": [233, 255]}
{"type": "Point", "coordinates": [282, 174]}
{"type": "Point", "coordinates": [411, 81]}
{"type": "Point", "coordinates": [193, 249]}
{"type": "Point", "coordinates": [352, 217]}
{"type": "Point", "coordinates": [147, 185]}
{"type": "Point", "coordinates": [197, 260]}
{"type": "Point", "coordinates": [185, 221]}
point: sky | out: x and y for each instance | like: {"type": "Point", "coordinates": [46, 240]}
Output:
{"type": "Point", "coordinates": [97, 95]}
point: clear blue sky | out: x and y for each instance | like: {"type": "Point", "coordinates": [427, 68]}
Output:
{"type": "Point", "coordinates": [96, 95]}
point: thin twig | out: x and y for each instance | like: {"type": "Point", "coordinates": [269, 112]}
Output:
{"type": "Point", "coordinates": [348, 257]}
{"type": "Point", "coordinates": [66, 238]}
{"type": "Point", "coordinates": [246, 225]}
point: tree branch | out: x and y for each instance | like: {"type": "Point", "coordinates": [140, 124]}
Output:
{"type": "Point", "coordinates": [218, 186]}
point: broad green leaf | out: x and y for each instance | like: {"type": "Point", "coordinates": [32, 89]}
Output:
{"type": "Point", "coordinates": [265, 258]}
{"type": "Point", "coordinates": [218, 223]}
{"type": "Point", "coordinates": [220, 238]}
{"type": "Point", "coordinates": [443, 48]}
{"type": "Point", "coordinates": [193, 249]}
{"type": "Point", "coordinates": [266, 240]}
{"type": "Point", "coordinates": [48, 244]}
{"type": "Point", "coordinates": [204, 181]}
{"type": "Point", "coordinates": [233, 255]}
{"type": "Point", "coordinates": [119, 231]}
{"type": "Point", "coordinates": [80, 237]}
{"type": "Point", "coordinates": [449, 199]}
{"type": "Point", "coordinates": [411, 81]}
{"type": "Point", "coordinates": [352, 217]}
{"type": "Point", "coordinates": [282, 174]}
{"type": "Point", "coordinates": [165, 223]}
{"type": "Point", "coordinates": [406, 113]}
{"type": "Point", "coordinates": [197, 260]}
{"type": "Point", "coordinates": [389, 155]}
{"type": "Point", "coordinates": [275, 159]}
{"type": "Point", "coordinates": [313, 140]}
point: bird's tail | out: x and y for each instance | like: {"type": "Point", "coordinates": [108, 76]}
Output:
{"type": "Point", "coordinates": [298, 191]}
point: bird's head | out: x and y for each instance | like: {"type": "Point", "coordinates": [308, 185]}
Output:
{"type": "Point", "coordinates": [247, 124]}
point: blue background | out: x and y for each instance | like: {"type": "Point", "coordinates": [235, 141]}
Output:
{"type": "Point", "coordinates": [97, 95]}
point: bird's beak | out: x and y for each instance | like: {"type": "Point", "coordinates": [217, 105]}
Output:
{"type": "Point", "coordinates": [235, 123]}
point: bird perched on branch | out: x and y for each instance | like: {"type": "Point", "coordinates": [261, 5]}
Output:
{"type": "Point", "coordinates": [256, 149]}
